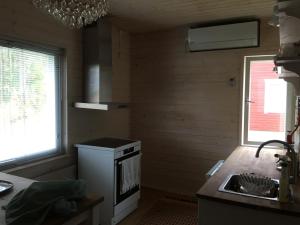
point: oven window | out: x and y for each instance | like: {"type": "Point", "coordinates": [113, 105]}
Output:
{"type": "Point", "coordinates": [128, 176]}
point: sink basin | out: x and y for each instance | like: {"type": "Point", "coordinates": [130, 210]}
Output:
{"type": "Point", "coordinates": [232, 185]}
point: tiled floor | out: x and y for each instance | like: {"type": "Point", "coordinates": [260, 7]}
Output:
{"type": "Point", "coordinates": [149, 198]}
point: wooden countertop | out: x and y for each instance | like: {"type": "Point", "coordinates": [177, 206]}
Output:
{"type": "Point", "coordinates": [243, 160]}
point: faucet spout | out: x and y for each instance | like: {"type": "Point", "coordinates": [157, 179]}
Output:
{"type": "Point", "coordinates": [288, 146]}
{"type": "Point", "coordinates": [290, 150]}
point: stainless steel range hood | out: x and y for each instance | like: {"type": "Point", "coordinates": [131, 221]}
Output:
{"type": "Point", "coordinates": [97, 63]}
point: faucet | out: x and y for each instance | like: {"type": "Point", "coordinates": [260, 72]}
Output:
{"type": "Point", "coordinates": [291, 153]}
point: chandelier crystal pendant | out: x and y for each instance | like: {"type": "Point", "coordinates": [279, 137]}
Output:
{"type": "Point", "coordinates": [74, 13]}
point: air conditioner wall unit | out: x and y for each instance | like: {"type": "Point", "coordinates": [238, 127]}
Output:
{"type": "Point", "coordinates": [228, 36]}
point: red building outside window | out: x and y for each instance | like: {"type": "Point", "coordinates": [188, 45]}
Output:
{"type": "Point", "coordinates": [265, 105]}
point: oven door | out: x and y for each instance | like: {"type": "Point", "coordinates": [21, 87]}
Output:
{"type": "Point", "coordinates": [127, 170]}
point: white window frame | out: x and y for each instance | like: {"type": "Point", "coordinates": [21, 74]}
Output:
{"type": "Point", "coordinates": [245, 100]}
{"type": "Point", "coordinates": [58, 54]}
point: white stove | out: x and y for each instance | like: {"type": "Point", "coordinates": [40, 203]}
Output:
{"type": "Point", "coordinates": [111, 167]}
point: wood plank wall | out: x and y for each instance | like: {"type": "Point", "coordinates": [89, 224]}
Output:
{"type": "Point", "coordinates": [184, 110]}
{"type": "Point", "coordinates": [20, 19]}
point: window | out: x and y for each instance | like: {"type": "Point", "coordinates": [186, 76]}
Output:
{"type": "Point", "coordinates": [30, 108]}
{"type": "Point", "coordinates": [264, 102]}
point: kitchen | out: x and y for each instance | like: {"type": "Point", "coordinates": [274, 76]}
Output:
{"type": "Point", "coordinates": [182, 106]}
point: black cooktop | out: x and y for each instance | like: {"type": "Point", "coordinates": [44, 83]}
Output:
{"type": "Point", "coordinates": [108, 142]}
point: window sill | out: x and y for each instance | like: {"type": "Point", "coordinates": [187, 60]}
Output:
{"type": "Point", "coordinates": [257, 145]}
{"type": "Point", "coordinates": [43, 166]}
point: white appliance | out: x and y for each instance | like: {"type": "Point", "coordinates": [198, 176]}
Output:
{"type": "Point", "coordinates": [235, 35]}
{"type": "Point", "coordinates": [111, 168]}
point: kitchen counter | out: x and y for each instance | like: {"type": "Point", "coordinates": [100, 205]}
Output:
{"type": "Point", "coordinates": [88, 208]}
{"type": "Point", "coordinates": [243, 160]}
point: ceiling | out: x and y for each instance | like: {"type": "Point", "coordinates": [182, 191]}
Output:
{"type": "Point", "coordinates": [149, 15]}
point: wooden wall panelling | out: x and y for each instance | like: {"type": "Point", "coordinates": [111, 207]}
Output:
{"type": "Point", "coordinates": [144, 15]}
{"type": "Point", "coordinates": [183, 109]}
{"type": "Point", "coordinates": [121, 65]}
{"type": "Point", "coordinates": [20, 19]}
{"type": "Point", "coordinates": [67, 173]}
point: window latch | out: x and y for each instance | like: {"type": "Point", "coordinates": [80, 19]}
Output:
{"type": "Point", "coordinates": [249, 101]}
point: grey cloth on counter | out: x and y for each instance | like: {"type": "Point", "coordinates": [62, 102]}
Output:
{"type": "Point", "coordinates": [32, 205]}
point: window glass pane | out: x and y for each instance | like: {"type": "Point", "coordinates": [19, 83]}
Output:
{"type": "Point", "coordinates": [267, 108]}
{"type": "Point", "coordinates": [27, 103]}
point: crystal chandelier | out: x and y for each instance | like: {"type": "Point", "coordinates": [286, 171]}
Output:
{"type": "Point", "coordinates": [74, 13]}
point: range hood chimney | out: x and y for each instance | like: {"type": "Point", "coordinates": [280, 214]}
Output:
{"type": "Point", "coordinates": [97, 63]}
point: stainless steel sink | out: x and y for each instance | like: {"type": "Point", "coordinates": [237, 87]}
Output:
{"type": "Point", "coordinates": [232, 185]}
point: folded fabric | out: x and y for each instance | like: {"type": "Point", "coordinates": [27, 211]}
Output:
{"type": "Point", "coordinates": [130, 173]}
{"type": "Point", "coordinates": [31, 205]}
